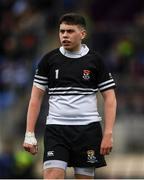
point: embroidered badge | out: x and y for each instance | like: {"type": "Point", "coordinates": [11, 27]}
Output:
{"type": "Point", "coordinates": [91, 156]}
{"type": "Point", "coordinates": [86, 74]}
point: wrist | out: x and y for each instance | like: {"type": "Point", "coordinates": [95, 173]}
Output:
{"type": "Point", "coordinates": [108, 133]}
{"type": "Point", "coordinates": [30, 138]}
{"type": "Point", "coordinates": [28, 133]}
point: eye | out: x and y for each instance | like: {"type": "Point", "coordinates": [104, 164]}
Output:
{"type": "Point", "coordinates": [62, 31]}
{"type": "Point", "coordinates": [70, 31]}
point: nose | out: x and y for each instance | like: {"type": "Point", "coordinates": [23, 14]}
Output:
{"type": "Point", "coordinates": [65, 34]}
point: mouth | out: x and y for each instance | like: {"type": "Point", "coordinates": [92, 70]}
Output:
{"type": "Point", "coordinates": [66, 42]}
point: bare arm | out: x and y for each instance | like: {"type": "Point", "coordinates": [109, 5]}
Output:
{"type": "Point", "coordinates": [109, 119]}
{"type": "Point", "coordinates": [34, 108]}
{"type": "Point", "coordinates": [30, 143]}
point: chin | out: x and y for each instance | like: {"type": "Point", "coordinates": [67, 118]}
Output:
{"type": "Point", "coordinates": [68, 48]}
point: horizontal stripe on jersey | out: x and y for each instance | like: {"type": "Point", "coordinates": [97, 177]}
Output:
{"type": "Point", "coordinates": [41, 82]}
{"type": "Point", "coordinates": [106, 85]}
{"type": "Point", "coordinates": [71, 90]}
{"type": "Point", "coordinates": [41, 77]}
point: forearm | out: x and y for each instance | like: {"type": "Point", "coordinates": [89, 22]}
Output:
{"type": "Point", "coordinates": [34, 108]}
{"type": "Point", "coordinates": [109, 119]}
{"type": "Point", "coordinates": [32, 115]}
{"type": "Point", "coordinates": [109, 114]}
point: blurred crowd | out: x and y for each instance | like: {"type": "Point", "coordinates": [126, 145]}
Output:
{"type": "Point", "coordinates": [23, 29]}
{"type": "Point", "coordinates": [28, 29]}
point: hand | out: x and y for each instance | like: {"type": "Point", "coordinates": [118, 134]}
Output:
{"type": "Point", "coordinates": [30, 143]}
{"type": "Point", "coordinates": [106, 144]}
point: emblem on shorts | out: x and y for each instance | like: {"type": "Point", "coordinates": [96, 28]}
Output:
{"type": "Point", "coordinates": [86, 74]}
{"type": "Point", "coordinates": [50, 153]}
{"type": "Point", "coordinates": [91, 156]}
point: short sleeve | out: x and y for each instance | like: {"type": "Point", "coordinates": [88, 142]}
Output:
{"type": "Point", "coordinates": [41, 74]}
{"type": "Point", "coordinates": [105, 79]}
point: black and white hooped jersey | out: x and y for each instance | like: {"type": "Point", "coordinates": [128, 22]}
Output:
{"type": "Point", "coordinates": [72, 84]}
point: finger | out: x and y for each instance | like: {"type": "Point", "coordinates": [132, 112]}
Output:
{"type": "Point", "coordinates": [34, 150]}
{"type": "Point", "coordinates": [102, 151]}
{"type": "Point", "coordinates": [107, 151]}
{"type": "Point", "coordinates": [110, 149]}
{"type": "Point", "coordinates": [29, 148]}
{"type": "Point", "coordinates": [26, 147]}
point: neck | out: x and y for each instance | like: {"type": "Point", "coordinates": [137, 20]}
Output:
{"type": "Point", "coordinates": [76, 49]}
{"type": "Point", "coordinates": [75, 54]}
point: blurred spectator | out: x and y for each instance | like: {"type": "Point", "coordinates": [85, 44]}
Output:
{"type": "Point", "coordinates": [120, 55]}
{"type": "Point", "coordinates": [7, 161]}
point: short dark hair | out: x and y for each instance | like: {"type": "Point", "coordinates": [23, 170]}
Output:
{"type": "Point", "coordinates": [73, 19]}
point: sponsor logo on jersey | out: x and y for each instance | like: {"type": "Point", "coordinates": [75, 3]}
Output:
{"type": "Point", "coordinates": [50, 153]}
{"type": "Point", "coordinates": [86, 74]}
{"type": "Point", "coordinates": [91, 156]}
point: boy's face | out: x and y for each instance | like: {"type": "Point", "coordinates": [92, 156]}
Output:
{"type": "Point", "coordinates": [71, 36]}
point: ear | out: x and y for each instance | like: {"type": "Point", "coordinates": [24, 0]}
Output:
{"type": "Point", "coordinates": [83, 34]}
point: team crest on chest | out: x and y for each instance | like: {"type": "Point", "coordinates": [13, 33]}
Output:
{"type": "Point", "coordinates": [86, 74]}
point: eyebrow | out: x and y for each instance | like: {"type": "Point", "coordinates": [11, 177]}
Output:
{"type": "Point", "coordinates": [68, 30]}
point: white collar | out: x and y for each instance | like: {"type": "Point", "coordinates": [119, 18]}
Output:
{"type": "Point", "coordinates": [82, 52]}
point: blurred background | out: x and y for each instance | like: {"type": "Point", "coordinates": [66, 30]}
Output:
{"type": "Point", "coordinates": [28, 29]}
